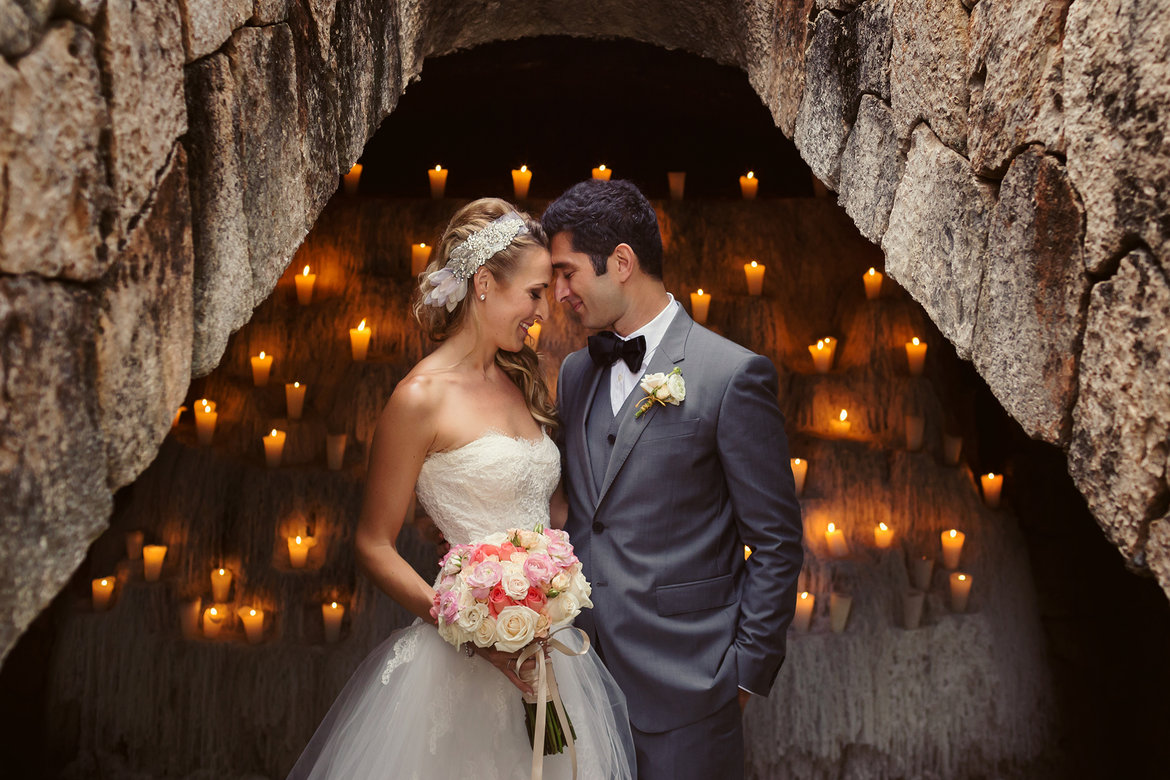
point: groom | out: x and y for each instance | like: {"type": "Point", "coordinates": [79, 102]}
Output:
{"type": "Point", "coordinates": [661, 504]}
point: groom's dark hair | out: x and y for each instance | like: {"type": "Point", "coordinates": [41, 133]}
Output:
{"type": "Point", "coordinates": [599, 215]}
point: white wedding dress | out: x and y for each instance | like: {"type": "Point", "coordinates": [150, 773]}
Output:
{"type": "Point", "coordinates": [418, 708]}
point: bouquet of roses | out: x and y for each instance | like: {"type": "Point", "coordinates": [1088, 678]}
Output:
{"type": "Point", "coordinates": [508, 591]}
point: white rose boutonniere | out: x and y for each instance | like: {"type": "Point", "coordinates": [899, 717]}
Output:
{"type": "Point", "coordinates": [662, 389]}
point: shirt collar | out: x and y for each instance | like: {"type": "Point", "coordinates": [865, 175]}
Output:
{"type": "Point", "coordinates": [655, 329]}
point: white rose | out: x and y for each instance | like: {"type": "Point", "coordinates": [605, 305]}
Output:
{"type": "Point", "coordinates": [663, 392]}
{"type": "Point", "coordinates": [678, 388]}
{"type": "Point", "coordinates": [485, 632]}
{"type": "Point", "coordinates": [446, 633]}
{"type": "Point", "coordinates": [563, 609]}
{"type": "Point", "coordinates": [652, 382]}
{"type": "Point", "coordinates": [514, 582]}
{"type": "Point", "coordinates": [528, 539]}
{"type": "Point", "coordinates": [543, 623]}
{"type": "Point", "coordinates": [496, 539]}
{"type": "Point", "coordinates": [515, 628]}
{"type": "Point", "coordinates": [452, 566]}
{"type": "Point", "coordinates": [470, 617]}
{"type": "Point", "coordinates": [581, 588]}
{"type": "Point", "coordinates": [560, 582]}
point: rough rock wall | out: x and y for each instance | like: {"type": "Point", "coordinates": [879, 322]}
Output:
{"type": "Point", "coordinates": [1006, 157]}
{"type": "Point", "coordinates": [962, 695]}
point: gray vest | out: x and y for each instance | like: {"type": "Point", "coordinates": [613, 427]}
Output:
{"type": "Point", "coordinates": [601, 430]}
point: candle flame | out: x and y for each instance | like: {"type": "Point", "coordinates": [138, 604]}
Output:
{"type": "Point", "coordinates": [755, 264]}
{"type": "Point", "coordinates": [362, 325]}
{"type": "Point", "coordinates": [804, 595]}
{"type": "Point", "coordinates": [796, 461]}
{"type": "Point", "coordinates": [871, 271]}
{"type": "Point", "coordinates": [261, 354]}
{"type": "Point", "coordinates": [844, 414]}
{"type": "Point", "coordinates": [832, 528]}
{"type": "Point", "coordinates": [251, 613]}
{"type": "Point", "coordinates": [990, 475]}
{"type": "Point", "coordinates": [954, 533]}
{"type": "Point", "coordinates": [221, 572]}
{"type": "Point", "coordinates": [105, 583]}
{"type": "Point", "coordinates": [747, 552]}
{"type": "Point", "coordinates": [333, 605]}
{"type": "Point", "coordinates": [298, 541]}
{"type": "Point", "coordinates": [214, 611]}
{"type": "Point", "coordinates": [524, 168]}
{"type": "Point", "coordinates": [438, 167]}
{"type": "Point", "coordinates": [914, 341]}
{"type": "Point", "coordinates": [700, 292]}
{"type": "Point", "coordinates": [306, 271]}
{"type": "Point", "coordinates": [883, 526]}
{"type": "Point", "coordinates": [751, 174]}
{"type": "Point", "coordinates": [273, 435]}
{"type": "Point", "coordinates": [962, 577]}
{"type": "Point", "coordinates": [820, 343]}
{"type": "Point", "coordinates": [206, 407]}
{"type": "Point", "coordinates": [296, 384]}
{"type": "Point", "coordinates": [601, 167]}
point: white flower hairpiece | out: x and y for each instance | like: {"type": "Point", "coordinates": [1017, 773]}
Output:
{"type": "Point", "coordinates": [449, 283]}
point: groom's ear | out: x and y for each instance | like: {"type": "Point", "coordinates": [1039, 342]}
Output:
{"type": "Point", "coordinates": [625, 262]}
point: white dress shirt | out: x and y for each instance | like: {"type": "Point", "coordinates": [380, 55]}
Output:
{"type": "Point", "coordinates": [621, 379]}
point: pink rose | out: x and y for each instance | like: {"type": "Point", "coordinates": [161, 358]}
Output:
{"type": "Point", "coordinates": [557, 535]}
{"type": "Point", "coordinates": [539, 568]}
{"type": "Point", "coordinates": [561, 552]}
{"type": "Point", "coordinates": [535, 600]}
{"type": "Point", "coordinates": [449, 606]}
{"type": "Point", "coordinates": [483, 552]}
{"type": "Point", "coordinates": [435, 607]}
{"type": "Point", "coordinates": [506, 550]}
{"type": "Point", "coordinates": [485, 575]}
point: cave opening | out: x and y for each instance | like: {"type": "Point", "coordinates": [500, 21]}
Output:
{"type": "Point", "coordinates": [124, 691]}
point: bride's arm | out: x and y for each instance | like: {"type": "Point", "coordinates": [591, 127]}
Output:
{"type": "Point", "coordinates": [558, 510]}
{"type": "Point", "coordinates": [404, 435]}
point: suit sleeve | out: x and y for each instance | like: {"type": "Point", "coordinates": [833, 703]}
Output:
{"type": "Point", "coordinates": [753, 450]}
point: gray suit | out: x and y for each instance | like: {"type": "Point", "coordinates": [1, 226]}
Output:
{"type": "Point", "coordinates": [659, 510]}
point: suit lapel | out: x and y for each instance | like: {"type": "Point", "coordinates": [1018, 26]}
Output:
{"type": "Point", "coordinates": [670, 352]}
{"type": "Point", "coordinates": [592, 380]}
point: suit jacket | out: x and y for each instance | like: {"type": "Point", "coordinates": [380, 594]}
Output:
{"type": "Point", "coordinates": [681, 620]}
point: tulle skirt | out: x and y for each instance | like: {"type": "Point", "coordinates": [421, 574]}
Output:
{"type": "Point", "coordinates": [418, 708]}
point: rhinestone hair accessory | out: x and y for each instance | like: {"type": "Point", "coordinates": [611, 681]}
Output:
{"type": "Point", "coordinates": [449, 284]}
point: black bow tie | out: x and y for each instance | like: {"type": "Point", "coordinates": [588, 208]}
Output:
{"type": "Point", "coordinates": [606, 347]}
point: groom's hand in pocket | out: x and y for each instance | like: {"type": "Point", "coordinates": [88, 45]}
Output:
{"type": "Point", "coordinates": [506, 663]}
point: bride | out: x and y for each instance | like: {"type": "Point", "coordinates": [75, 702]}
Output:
{"type": "Point", "coordinates": [468, 429]}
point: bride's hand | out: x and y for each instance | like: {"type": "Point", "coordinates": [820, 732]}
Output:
{"type": "Point", "coordinates": [506, 663]}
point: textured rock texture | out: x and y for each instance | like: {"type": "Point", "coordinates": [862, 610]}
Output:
{"type": "Point", "coordinates": [1117, 99]}
{"type": "Point", "coordinates": [928, 68]}
{"type": "Point", "coordinates": [1032, 301]}
{"type": "Point", "coordinates": [207, 24]}
{"type": "Point", "coordinates": [21, 23]}
{"type": "Point", "coordinates": [1121, 423]}
{"type": "Point", "coordinates": [937, 233]}
{"type": "Point", "coordinates": [871, 168]}
{"type": "Point", "coordinates": [53, 192]}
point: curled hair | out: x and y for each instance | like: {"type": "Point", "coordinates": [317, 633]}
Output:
{"type": "Point", "coordinates": [522, 367]}
{"type": "Point", "coordinates": [598, 215]}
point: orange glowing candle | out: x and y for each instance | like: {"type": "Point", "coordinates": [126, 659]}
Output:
{"type": "Point", "coordinates": [305, 281]}
{"type": "Point", "coordinates": [755, 277]}
{"type": "Point", "coordinates": [261, 368]}
{"type": "Point", "coordinates": [915, 356]}
{"type": "Point", "coordinates": [253, 620]}
{"type": "Point", "coordinates": [883, 536]}
{"type": "Point", "coordinates": [294, 399]}
{"type": "Point", "coordinates": [749, 185]}
{"type": "Point", "coordinates": [359, 341]}
{"type": "Point", "coordinates": [212, 622]}
{"type": "Point", "coordinates": [799, 472]}
{"type": "Point", "coordinates": [601, 172]}
{"type": "Point", "coordinates": [332, 614]}
{"type": "Point", "coordinates": [273, 450]}
{"type": "Point", "coordinates": [992, 488]}
{"type": "Point", "coordinates": [298, 550]}
{"type": "Point", "coordinates": [873, 284]}
{"type": "Point", "coordinates": [103, 591]}
{"type": "Point", "coordinates": [420, 255]}
{"type": "Point", "coordinates": [841, 425]}
{"type": "Point", "coordinates": [952, 546]}
{"type": "Point", "coordinates": [960, 591]}
{"type": "Point", "coordinates": [700, 304]}
{"type": "Point", "coordinates": [221, 584]}
{"type": "Point", "coordinates": [521, 178]}
{"type": "Point", "coordinates": [835, 538]}
{"type": "Point", "coordinates": [822, 355]}
{"type": "Point", "coordinates": [804, 611]}
{"type": "Point", "coordinates": [205, 416]}
{"type": "Point", "coordinates": [352, 179]}
{"type": "Point", "coordinates": [152, 561]}
{"type": "Point", "coordinates": [438, 178]}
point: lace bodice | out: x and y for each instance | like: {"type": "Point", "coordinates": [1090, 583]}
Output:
{"type": "Point", "coordinates": [490, 484]}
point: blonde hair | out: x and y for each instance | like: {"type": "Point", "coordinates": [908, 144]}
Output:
{"type": "Point", "coordinates": [522, 367]}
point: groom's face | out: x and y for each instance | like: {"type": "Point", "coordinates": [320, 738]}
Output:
{"type": "Point", "coordinates": [594, 300]}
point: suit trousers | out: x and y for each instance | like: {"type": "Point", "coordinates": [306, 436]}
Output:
{"type": "Point", "coordinates": [711, 748]}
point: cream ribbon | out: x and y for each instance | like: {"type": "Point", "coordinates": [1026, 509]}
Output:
{"type": "Point", "coordinates": [546, 690]}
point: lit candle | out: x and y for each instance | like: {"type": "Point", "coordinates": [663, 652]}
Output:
{"type": "Point", "coordinates": [960, 591]}
{"type": "Point", "coordinates": [212, 622]}
{"type": "Point", "coordinates": [921, 572]}
{"type": "Point", "coordinates": [747, 552]}
{"type": "Point", "coordinates": [841, 425]}
{"type": "Point", "coordinates": [799, 472]}
{"type": "Point", "coordinates": [438, 177]}
{"type": "Point", "coordinates": [152, 561]}
{"type": "Point", "coordinates": [304, 281]}
{"type": "Point", "coordinates": [835, 538]}
{"type": "Point", "coordinates": [839, 606]}
{"type": "Point", "coordinates": [804, 611]}
{"type": "Point", "coordinates": [352, 179]}
{"type": "Point", "coordinates": [915, 356]}
{"type": "Point", "coordinates": [273, 449]}
{"type": "Point", "coordinates": [912, 602]}
{"type": "Point", "coordinates": [873, 284]}
{"type": "Point", "coordinates": [221, 584]}
{"type": "Point", "coordinates": [952, 546]}
{"type": "Point", "coordinates": [677, 180]}
{"type": "Point", "coordinates": [831, 345]}
{"type": "Point", "coordinates": [253, 620]}
{"type": "Point", "coordinates": [189, 612]}
{"type": "Point", "coordinates": [332, 614]}
{"type": "Point", "coordinates": [952, 448]}
{"type": "Point", "coordinates": [205, 416]}
{"type": "Point", "coordinates": [359, 340]}
{"type": "Point", "coordinates": [700, 303]}
{"type": "Point", "coordinates": [992, 487]}
{"type": "Point", "coordinates": [883, 536]}
{"type": "Point", "coordinates": [755, 277]}
{"type": "Point", "coordinates": [749, 185]}
{"type": "Point", "coordinates": [601, 172]}
{"type": "Point", "coordinates": [420, 255]}
{"type": "Point", "coordinates": [298, 550]}
{"type": "Point", "coordinates": [822, 356]}
{"type": "Point", "coordinates": [521, 178]}
{"type": "Point", "coordinates": [915, 428]}
{"type": "Point", "coordinates": [103, 590]}
{"type": "Point", "coordinates": [261, 367]}
{"type": "Point", "coordinates": [334, 450]}
{"type": "Point", "coordinates": [134, 545]}
{"type": "Point", "coordinates": [533, 337]}
{"type": "Point", "coordinates": [178, 414]}
{"type": "Point", "coordinates": [294, 399]}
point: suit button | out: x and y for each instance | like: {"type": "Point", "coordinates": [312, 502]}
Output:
{"type": "Point", "coordinates": [598, 527]}
{"type": "Point", "coordinates": [611, 438]}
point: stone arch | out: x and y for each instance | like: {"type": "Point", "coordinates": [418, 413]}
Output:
{"type": "Point", "coordinates": [164, 160]}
